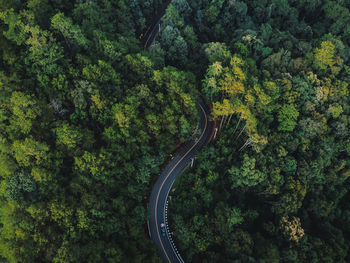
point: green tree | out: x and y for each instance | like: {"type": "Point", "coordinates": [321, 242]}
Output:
{"type": "Point", "coordinates": [217, 52]}
{"type": "Point", "coordinates": [28, 151]}
{"type": "Point", "coordinates": [72, 33]}
{"type": "Point", "coordinates": [324, 56]}
{"type": "Point", "coordinates": [25, 110]}
{"type": "Point", "coordinates": [21, 187]}
{"type": "Point", "coordinates": [68, 136]}
{"type": "Point", "coordinates": [247, 175]}
{"type": "Point", "coordinates": [287, 117]}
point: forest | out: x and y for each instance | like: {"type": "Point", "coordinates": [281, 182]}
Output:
{"type": "Point", "coordinates": [88, 118]}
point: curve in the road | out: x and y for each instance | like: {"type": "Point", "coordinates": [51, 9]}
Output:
{"type": "Point", "coordinates": [160, 191]}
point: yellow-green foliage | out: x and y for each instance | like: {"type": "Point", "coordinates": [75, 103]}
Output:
{"type": "Point", "coordinates": [324, 56]}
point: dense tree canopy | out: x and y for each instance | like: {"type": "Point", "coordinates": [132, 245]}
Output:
{"type": "Point", "coordinates": [88, 118]}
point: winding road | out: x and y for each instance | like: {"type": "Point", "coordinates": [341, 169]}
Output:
{"type": "Point", "coordinates": [159, 196]}
{"type": "Point", "coordinates": [160, 191]}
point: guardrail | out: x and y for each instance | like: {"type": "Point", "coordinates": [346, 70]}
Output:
{"type": "Point", "coordinates": [173, 246]}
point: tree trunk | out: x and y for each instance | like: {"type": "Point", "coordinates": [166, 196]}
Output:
{"type": "Point", "coordinates": [222, 119]}
{"type": "Point", "coordinates": [241, 132]}
{"type": "Point", "coordinates": [246, 144]}
{"type": "Point", "coordinates": [240, 118]}
{"type": "Point", "coordinates": [225, 121]}
{"type": "Point", "coordinates": [229, 120]}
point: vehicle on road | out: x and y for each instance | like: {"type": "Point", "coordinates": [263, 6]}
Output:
{"type": "Point", "coordinates": [163, 187]}
{"type": "Point", "coordinates": [162, 228]}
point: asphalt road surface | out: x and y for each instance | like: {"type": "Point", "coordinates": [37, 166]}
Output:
{"type": "Point", "coordinates": [147, 37]}
{"type": "Point", "coordinates": [161, 189]}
